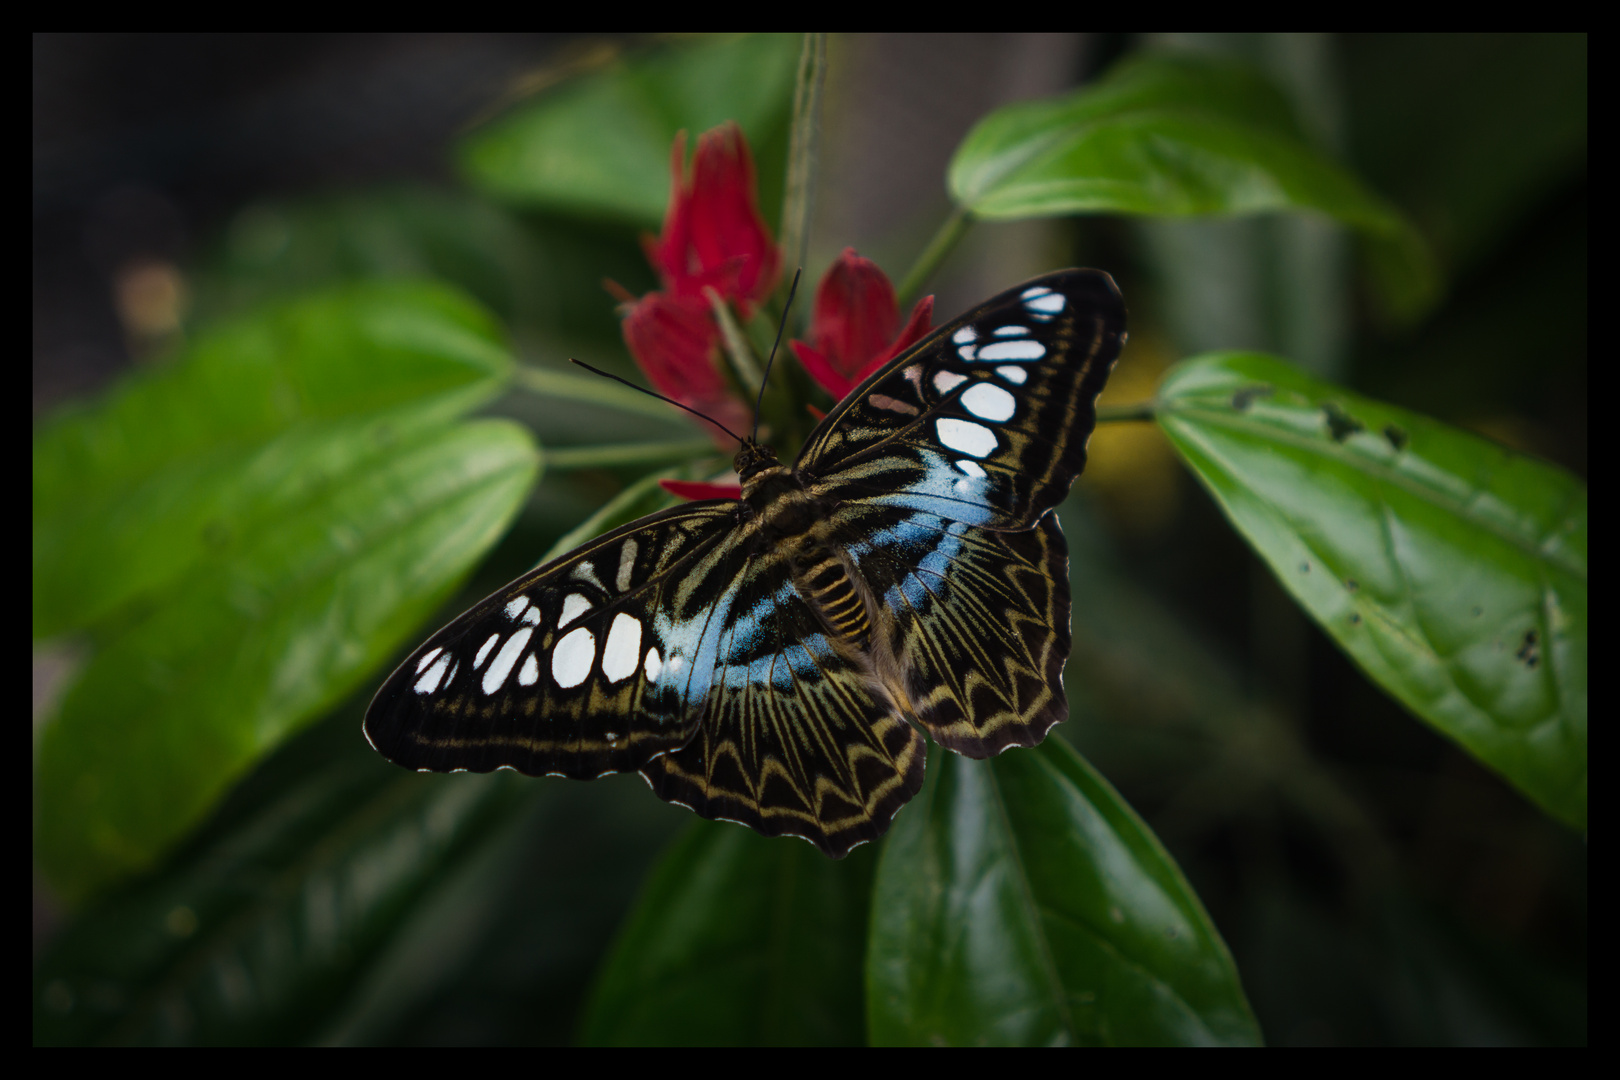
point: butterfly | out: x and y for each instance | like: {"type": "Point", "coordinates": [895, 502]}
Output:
{"type": "Point", "coordinates": [768, 660]}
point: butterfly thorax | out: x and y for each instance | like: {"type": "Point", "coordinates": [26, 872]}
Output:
{"type": "Point", "coordinates": [790, 523]}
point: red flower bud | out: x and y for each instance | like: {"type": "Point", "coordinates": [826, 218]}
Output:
{"type": "Point", "coordinates": [713, 234]}
{"type": "Point", "coordinates": [853, 324]}
{"type": "Point", "coordinates": [676, 344]}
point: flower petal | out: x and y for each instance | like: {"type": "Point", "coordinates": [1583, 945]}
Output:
{"type": "Point", "coordinates": [855, 313]}
{"type": "Point", "coordinates": [915, 330]}
{"type": "Point", "coordinates": [675, 343]}
{"type": "Point", "coordinates": [698, 489]}
{"type": "Point", "coordinates": [853, 325]}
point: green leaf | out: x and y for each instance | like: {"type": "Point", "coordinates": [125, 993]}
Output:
{"type": "Point", "coordinates": [1177, 135]}
{"type": "Point", "coordinates": [1020, 901]}
{"type": "Point", "coordinates": [262, 934]}
{"type": "Point", "coordinates": [738, 940]}
{"type": "Point", "coordinates": [287, 248]}
{"type": "Point", "coordinates": [600, 145]}
{"type": "Point", "coordinates": [1451, 569]}
{"type": "Point", "coordinates": [132, 491]}
{"type": "Point", "coordinates": [349, 536]}
{"type": "Point", "coordinates": [247, 533]}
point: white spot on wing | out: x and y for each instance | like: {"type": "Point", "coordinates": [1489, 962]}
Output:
{"type": "Point", "coordinates": [653, 666]}
{"type": "Point", "coordinates": [515, 606]}
{"type": "Point", "coordinates": [501, 666]}
{"type": "Point", "coordinates": [583, 572]}
{"type": "Point", "coordinates": [429, 683]}
{"type": "Point", "coordinates": [1022, 350]}
{"type": "Point", "coordinates": [529, 673]}
{"type": "Point", "coordinates": [627, 563]}
{"type": "Point", "coordinates": [1044, 300]}
{"type": "Point", "coordinates": [1013, 374]}
{"type": "Point", "coordinates": [571, 659]}
{"type": "Point", "coordinates": [946, 381]}
{"type": "Point", "coordinates": [574, 605]}
{"type": "Point", "coordinates": [988, 401]}
{"type": "Point", "coordinates": [532, 616]}
{"type": "Point", "coordinates": [965, 336]}
{"type": "Point", "coordinates": [428, 658]}
{"type": "Point", "coordinates": [966, 437]}
{"type": "Point", "coordinates": [483, 650]}
{"type": "Point", "coordinates": [972, 472]}
{"type": "Point", "coordinates": [1013, 330]}
{"type": "Point", "coordinates": [623, 647]}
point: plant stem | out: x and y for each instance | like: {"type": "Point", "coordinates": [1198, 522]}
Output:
{"type": "Point", "coordinates": [593, 391]}
{"type": "Point", "coordinates": [950, 232]}
{"type": "Point", "coordinates": [798, 197]}
{"type": "Point", "coordinates": [611, 454]}
{"type": "Point", "coordinates": [1117, 414]}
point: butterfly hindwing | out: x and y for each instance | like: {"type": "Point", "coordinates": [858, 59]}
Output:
{"type": "Point", "coordinates": [795, 738]}
{"type": "Point", "coordinates": [976, 620]}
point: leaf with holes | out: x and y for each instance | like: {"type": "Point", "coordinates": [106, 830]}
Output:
{"type": "Point", "coordinates": [1451, 569]}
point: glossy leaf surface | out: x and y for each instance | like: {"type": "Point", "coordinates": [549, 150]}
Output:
{"type": "Point", "coordinates": [738, 940]}
{"type": "Point", "coordinates": [262, 934]}
{"type": "Point", "coordinates": [288, 501]}
{"type": "Point", "coordinates": [599, 145]}
{"type": "Point", "coordinates": [179, 702]}
{"type": "Point", "coordinates": [1176, 135]}
{"type": "Point", "coordinates": [1020, 901]}
{"type": "Point", "coordinates": [1451, 569]}
{"type": "Point", "coordinates": [129, 492]}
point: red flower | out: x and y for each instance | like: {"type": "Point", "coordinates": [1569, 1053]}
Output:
{"type": "Point", "coordinates": [713, 233]}
{"type": "Point", "coordinates": [713, 239]}
{"type": "Point", "coordinates": [853, 325]}
{"type": "Point", "coordinates": [676, 345]}
{"type": "Point", "coordinates": [698, 489]}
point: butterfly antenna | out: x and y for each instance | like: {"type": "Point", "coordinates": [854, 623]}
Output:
{"type": "Point", "coordinates": [765, 379]}
{"type": "Point", "coordinates": [660, 397]}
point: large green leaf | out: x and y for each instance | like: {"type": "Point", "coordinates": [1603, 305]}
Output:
{"type": "Point", "coordinates": [261, 935]}
{"type": "Point", "coordinates": [353, 538]}
{"type": "Point", "coordinates": [130, 492]}
{"type": "Point", "coordinates": [738, 940]}
{"type": "Point", "coordinates": [1020, 901]}
{"type": "Point", "coordinates": [600, 145]}
{"type": "Point", "coordinates": [1177, 135]}
{"type": "Point", "coordinates": [1451, 569]}
{"type": "Point", "coordinates": [245, 534]}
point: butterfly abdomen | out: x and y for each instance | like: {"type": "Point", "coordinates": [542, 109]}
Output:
{"type": "Point", "coordinates": [822, 579]}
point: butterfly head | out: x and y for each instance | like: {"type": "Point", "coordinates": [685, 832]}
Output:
{"type": "Point", "coordinates": [753, 458]}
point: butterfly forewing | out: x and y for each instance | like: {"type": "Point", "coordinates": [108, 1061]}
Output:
{"type": "Point", "coordinates": [763, 661]}
{"type": "Point", "coordinates": [576, 669]}
{"type": "Point", "coordinates": [986, 419]}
